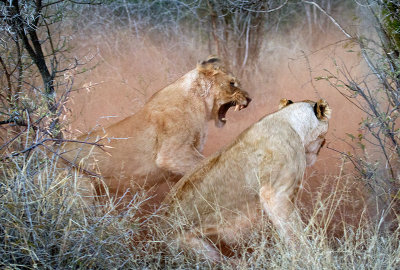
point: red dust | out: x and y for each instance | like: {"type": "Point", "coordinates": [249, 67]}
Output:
{"type": "Point", "coordinates": [126, 78]}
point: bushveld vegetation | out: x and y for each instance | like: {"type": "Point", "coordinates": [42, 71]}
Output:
{"type": "Point", "coordinates": [50, 52]}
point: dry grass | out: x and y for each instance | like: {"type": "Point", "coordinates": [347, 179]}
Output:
{"type": "Point", "coordinates": [46, 223]}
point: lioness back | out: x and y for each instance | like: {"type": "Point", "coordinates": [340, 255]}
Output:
{"type": "Point", "coordinates": [202, 189]}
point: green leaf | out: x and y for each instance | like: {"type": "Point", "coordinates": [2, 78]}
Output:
{"type": "Point", "coordinates": [351, 136]}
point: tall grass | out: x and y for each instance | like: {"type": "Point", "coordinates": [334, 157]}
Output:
{"type": "Point", "coordinates": [48, 223]}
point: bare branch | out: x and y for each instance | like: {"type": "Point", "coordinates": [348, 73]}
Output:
{"type": "Point", "coordinates": [330, 17]}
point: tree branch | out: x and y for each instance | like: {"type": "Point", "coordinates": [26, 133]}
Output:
{"type": "Point", "coordinates": [330, 17]}
{"type": "Point", "coordinates": [8, 78]}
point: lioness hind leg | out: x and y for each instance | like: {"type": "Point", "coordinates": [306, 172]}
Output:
{"type": "Point", "coordinates": [280, 210]}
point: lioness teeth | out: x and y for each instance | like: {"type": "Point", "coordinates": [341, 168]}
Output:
{"type": "Point", "coordinates": [237, 107]}
{"type": "Point", "coordinates": [223, 119]}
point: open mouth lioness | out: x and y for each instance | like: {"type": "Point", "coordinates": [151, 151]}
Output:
{"type": "Point", "coordinates": [239, 104]}
{"type": "Point", "coordinates": [224, 88]}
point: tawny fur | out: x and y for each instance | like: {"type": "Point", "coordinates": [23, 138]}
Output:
{"type": "Point", "coordinates": [166, 136]}
{"type": "Point", "coordinates": [261, 170]}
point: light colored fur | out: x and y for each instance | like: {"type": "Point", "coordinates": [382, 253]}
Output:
{"type": "Point", "coordinates": [165, 138]}
{"type": "Point", "coordinates": [261, 170]}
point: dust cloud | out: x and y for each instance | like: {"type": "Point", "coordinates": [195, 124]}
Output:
{"type": "Point", "coordinates": [129, 70]}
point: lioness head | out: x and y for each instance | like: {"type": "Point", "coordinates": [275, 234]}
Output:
{"type": "Point", "coordinates": [224, 87]}
{"type": "Point", "coordinates": [316, 138]}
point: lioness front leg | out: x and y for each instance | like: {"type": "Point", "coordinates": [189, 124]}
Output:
{"type": "Point", "coordinates": [280, 210]}
{"type": "Point", "coordinates": [177, 158]}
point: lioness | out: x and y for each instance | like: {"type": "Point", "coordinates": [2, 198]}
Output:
{"type": "Point", "coordinates": [261, 170]}
{"type": "Point", "coordinates": [164, 137]}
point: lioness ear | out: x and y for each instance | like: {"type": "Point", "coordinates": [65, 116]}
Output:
{"type": "Point", "coordinates": [284, 102]}
{"type": "Point", "coordinates": [322, 110]}
{"type": "Point", "coordinates": [211, 66]}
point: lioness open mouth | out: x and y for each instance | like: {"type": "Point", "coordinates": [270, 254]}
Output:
{"type": "Point", "coordinates": [223, 109]}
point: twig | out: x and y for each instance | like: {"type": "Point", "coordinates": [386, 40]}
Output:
{"type": "Point", "coordinates": [311, 77]}
{"type": "Point", "coordinates": [331, 18]}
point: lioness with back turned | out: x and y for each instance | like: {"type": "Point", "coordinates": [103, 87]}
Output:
{"type": "Point", "coordinates": [260, 171]}
{"type": "Point", "coordinates": [164, 137]}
